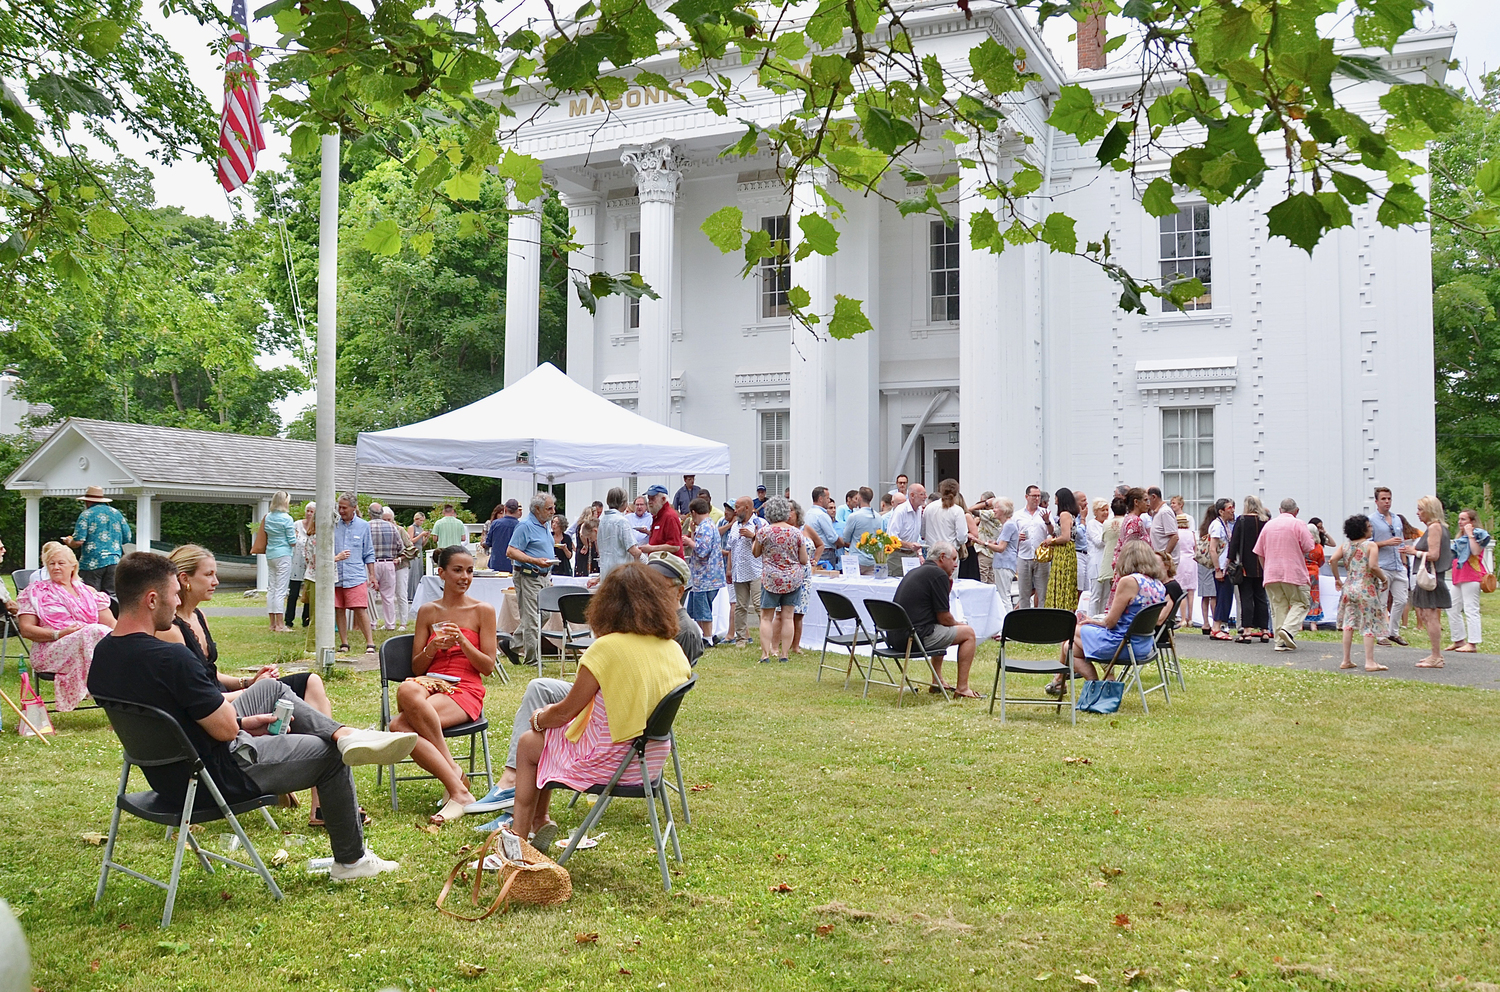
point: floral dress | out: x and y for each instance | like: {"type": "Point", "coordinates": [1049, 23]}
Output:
{"type": "Point", "coordinates": [59, 606]}
{"type": "Point", "coordinates": [780, 571]}
{"type": "Point", "coordinates": [1362, 607]}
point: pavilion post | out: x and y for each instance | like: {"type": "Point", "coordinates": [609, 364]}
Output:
{"type": "Point", "coordinates": [33, 530]}
{"type": "Point", "coordinates": [328, 282]}
{"type": "Point", "coordinates": [144, 525]}
{"type": "Point", "coordinates": [262, 570]}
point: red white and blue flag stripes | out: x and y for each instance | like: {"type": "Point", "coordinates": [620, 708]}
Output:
{"type": "Point", "coordinates": [239, 127]}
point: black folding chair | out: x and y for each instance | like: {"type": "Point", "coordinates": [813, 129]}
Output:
{"type": "Point", "coordinates": [1144, 625]}
{"type": "Point", "coordinates": [549, 601]}
{"type": "Point", "coordinates": [8, 629]}
{"type": "Point", "coordinates": [1036, 627]}
{"type": "Point", "coordinates": [840, 611]}
{"type": "Point", "coordinates": [573, 604]}
{"type": "Point", "coordinates": [395, 666]}
{"type": "Point", "coordinates": [894, 627]}
{"type": "Point", "coordinates": [1166, 651]}
{"type": "Point", "coordinates": [22, 578]}
{"type": "Point", "coordinates": [658, 728]}
{"type": "Point", "coordinates": [152, 739]}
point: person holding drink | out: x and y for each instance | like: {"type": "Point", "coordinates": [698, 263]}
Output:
{"type": "Point", "coordinates": [454, 646]}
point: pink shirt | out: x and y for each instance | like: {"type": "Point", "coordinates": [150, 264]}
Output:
{"type": "Point", "coordinates": [1283, 546]}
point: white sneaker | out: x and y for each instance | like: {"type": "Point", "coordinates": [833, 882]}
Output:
{"type": "Point", "coordinates": [366, 867]}
{"type": "Point", "coordinates": [376, 747]}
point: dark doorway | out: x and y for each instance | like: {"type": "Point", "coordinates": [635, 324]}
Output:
{"type": "Point", "coordinates": [944, 464]}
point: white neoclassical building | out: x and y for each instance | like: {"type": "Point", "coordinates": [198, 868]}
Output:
{"type": "Point", "coordinates": [1294, 375]}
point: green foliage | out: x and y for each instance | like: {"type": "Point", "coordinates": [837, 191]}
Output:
{"type": "Point", "coordinates": [1466, 299]}
{"type": "Point", "coordinates": [421, 302]}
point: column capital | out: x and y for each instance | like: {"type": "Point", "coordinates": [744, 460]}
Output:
{"type": "Point", "coordinates": [656, 173]}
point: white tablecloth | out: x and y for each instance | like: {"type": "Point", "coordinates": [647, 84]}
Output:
{"type": "Point", "coordinates": [973, 603]}
{"type": "Point", "coordinates": [491, 589]}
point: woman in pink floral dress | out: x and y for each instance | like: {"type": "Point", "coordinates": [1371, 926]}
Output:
{"type": "Point", "coordinates": [63, 619]}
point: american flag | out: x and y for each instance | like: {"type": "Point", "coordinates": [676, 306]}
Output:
{"type": "Point", "coordinates": [239, 126]}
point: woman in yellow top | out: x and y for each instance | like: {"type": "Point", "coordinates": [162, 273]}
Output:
{"type": "Point", "coordinates": [631, 666]}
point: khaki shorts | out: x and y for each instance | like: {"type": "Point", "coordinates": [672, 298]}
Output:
{"type": "Point", "coordinates": [941, 639]}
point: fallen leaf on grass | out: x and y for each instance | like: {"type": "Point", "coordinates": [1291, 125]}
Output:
{"type": "Point", "coordinates": [782, 887]}
{"type": "Point", "coordinates": [1121, 920]}
{"type": "Point", "coordinates": [1042, 977]}
{"type": "Point", "coordinates": [225, 896]}
{"type": "Point", "coordinates": [94, 965]}
{"type": "Point", "coordinates": [789, 962]}
{"type": "Point", "coordinates": [1098, 883]}
{"type": "Point", "coordinates": [93, 838]}
{"type": "Point", "coordinates": [1111, 872]}
{"type": "Point", "coordinates": [624, 971]}
{"type": "Point", "coordinates": [701, 788]}
{"type": "Point", "coordinates": [586, 938]}
{"type": "Point", "coordinates": [430, 828]}
{"type": "Point", "coordinates": [1078, 761]}
{"type": "Point", "coordinates": [1086, 980]}
{"type": "Point", "coordinates": [471, 970]}
{"type": "Point", "coordinates": [825, 929]}
{"type": "Point", "coordinates": [1131, 974]}
{"type": "Point", "coordinates": [1238, 973]}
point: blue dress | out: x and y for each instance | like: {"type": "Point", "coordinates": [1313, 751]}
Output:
{"type": "Point", "coordinates": [1101, 642]}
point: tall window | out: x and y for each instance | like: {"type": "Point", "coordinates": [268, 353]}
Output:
{"type": "Point", "coordinates": [633, 264]}
{"type": "Point", "coordinates": [942, 263]}
{"type": "Point", "coordinates": [776, 268]}
{"type": "Point", "coordinates": [773, 441]}
{"type": "Point", "coordinates": [1185, 252]}
{"type": "Point", "coordinates": [1187, 458]}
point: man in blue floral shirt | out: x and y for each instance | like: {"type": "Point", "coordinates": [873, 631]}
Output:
{"type": "Point", "coordinates": [99, 537]}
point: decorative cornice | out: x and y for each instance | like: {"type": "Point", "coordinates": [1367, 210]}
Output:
{"type": "Point", "coordinates": [630, 386]}
{"type": "Point", "coordinates": [1196, 320]}
{"type": "Point", "coordinates": [757, 381]}
{"type": "Point", "coordinates": [656, 171]}
{"type": "Point", "coordinates": [1219, 372]}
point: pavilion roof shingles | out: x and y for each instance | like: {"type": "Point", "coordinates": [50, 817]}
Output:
{"type": "Point", "coordinates": [172, 457]}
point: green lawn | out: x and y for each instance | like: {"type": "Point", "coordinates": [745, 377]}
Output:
{"type": "Point", "coordinates": [1270, 829]}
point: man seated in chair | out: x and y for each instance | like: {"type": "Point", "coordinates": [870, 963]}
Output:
{"type": "Point", "coordinates": [133, 665]}
{"type": "Point", "coordinates": [923, 594]}
{"type": "Point", "coordinates": [544, 692]}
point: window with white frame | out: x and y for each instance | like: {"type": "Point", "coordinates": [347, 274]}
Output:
{"type": "Point", "coordinates": [1187, 458]}
{"type": "Point", "coordinates": [1185, 253]}
{"type": "Point", "coordinates": [774, 474]}
{"type": "Point", "coordinates": [633, 264]}
{"type": "Point", "coordinates": [942, 266]}
{"type": "Point", "coordinates": [776, 268]}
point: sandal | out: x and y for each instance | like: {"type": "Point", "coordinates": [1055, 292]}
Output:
{"type": "Point", "coordinates": [967, 694]}
{"type": "Point", "coordinates": [452, 810]}
{"type": "Point", "coordinates": [1244, 639]}
{"type": "Point", "coordinates": [944, 687]}
{"type": "Point", "coordinates": [1429, 663]}
{"type": "Point", "coordinates": [1378, 668]}
{"type": "Point", "coordinates": [1219, 635]}
{"type": "Point", "coordinates": [1466, 649]}
{"type": "Point", "coordinates": [370, 649]}
{"type": "Point", "coordinates": [1054, 689]}
{"type": "Point", "coordinates": [343, 649]}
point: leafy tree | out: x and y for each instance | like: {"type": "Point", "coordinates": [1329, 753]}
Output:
{"type": "Point", "coordinates": [85, 66]}
{"type": "Point", "coordinates": [862, 98]}
{"type": "Point", "coordinates": [1466, 292]}
{"type": "Point", "coordinates": [421, 321]}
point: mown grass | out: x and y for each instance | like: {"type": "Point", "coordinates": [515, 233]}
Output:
{"type": "Point", "coordinates": [1271, 829]}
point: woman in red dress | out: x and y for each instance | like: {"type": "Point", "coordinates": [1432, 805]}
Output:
{"type": "Point", "coordinates": [456, 637]}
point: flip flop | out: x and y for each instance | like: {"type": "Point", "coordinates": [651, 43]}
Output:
{"type": "Point", "coordinates": [1378, 668]}
{"type": "Point", "coordinates": [1348, 664]}
{"type": "Point", "coordinates": [1429, 664]}
{"type": "Point", "coordinates": [1466, 649]}
{"type": "Point", "coordinates": [967, 694]}
{"type": "Point", "coordinates": [452, 810]}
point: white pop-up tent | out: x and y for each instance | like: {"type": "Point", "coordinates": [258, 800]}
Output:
{"type": "Point", "coordinates": [544, 427]}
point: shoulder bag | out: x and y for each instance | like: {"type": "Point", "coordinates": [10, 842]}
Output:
{"type": "Point", "coordinates": [258, 545]}
{"type": "Point", "coordinates": [1426, 578]}
{"type": "Point", "coordinates": [532, 878]}
{"type": "Point", "coordinates": [1204, 553]}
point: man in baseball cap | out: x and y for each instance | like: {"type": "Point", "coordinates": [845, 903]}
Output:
{"type": "Point", "coordinates": [675, 570]}
{"type": "Point", "coordinates": [666, 525]}
{"type": "Point", "coordinates": [760, 498]}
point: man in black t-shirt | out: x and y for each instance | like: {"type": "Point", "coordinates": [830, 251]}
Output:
{"type": "Point", "coordinates": [133, 665]}
{"type": "Point", "coordinates": [923, 594]}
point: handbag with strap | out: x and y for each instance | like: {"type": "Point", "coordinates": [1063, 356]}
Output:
{"type": "Point", "coordinates": [532, 878]}
{"type": "Point", "coordinates": [1426, 578]}
{"type": "Point", "coordinates": [1044, 553]}
{"type": "Point", "coordinates": [1203, 554]}
{"type": "Point", "coordinates": [1100, 696]}
{"type": "Point", "coordinates": [1234, 572]}
{"type": "Point", "coordinates": [258, 545]}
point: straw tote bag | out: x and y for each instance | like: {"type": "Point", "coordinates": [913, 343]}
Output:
{"type": "Point", "coordinates": [534, 878]}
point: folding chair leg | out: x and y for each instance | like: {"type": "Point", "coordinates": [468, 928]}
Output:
{"type": "Point", "coordinates": [821, 658]}
{"type": "Point", "coordinates": [489, 773]}
{"type": "Point", "coordinates": [661, 846]}
{"type": "Point", "coordinates": [202, 860]}
{"type": "Point", "coordinates": [270, 820]}
{"type": "Point", "coordinates": [114, 830]}
{"type": "Point", "coordinates": [182, 832]}
{"type": "Point", "coordinates": [666, 811]}
{"type": "Point", "coordinates": [239, 831]}
{"type": "Point", "coordinates": [391, 774]}
{"type": "Point", "coordinates": [600, 805]}
{"type": "Point", "coordinates": [681, 789]}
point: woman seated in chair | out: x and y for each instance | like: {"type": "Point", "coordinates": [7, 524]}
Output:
{"type": "Point", "coordinates": [631, 666]}
{"type": "Point", "coordinates": [197, 578]}
{"type": "Point", "coordinates": [455, 636]}
{"type": "Point", "coordinates": [63, 619]}
{"type": "Point", "coordinates": [1138, 584]}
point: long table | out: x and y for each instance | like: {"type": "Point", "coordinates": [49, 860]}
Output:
{"type": "Point", "coordinates": [971, 602]}
{"type": "Point", "coordinates": [491, 589]}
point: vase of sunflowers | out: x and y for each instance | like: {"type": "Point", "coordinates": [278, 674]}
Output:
{"type": "Point", "coordinates": [878, 545]}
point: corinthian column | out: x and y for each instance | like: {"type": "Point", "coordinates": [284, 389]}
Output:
{"type": "Point", "coordinates": [656, 179]}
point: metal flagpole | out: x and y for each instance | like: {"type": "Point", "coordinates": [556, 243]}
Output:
{"type": "Point", "coordinates": [328, 297]}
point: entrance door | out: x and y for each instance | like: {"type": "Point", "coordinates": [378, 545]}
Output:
{"type": "Point", "coordinates": [944, 465]}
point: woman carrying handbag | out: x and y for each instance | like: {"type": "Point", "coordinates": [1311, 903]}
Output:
{"type": "Point", "coordinates": [1430, 595]}
{"type": "Point", "coordinates": [1473, 573]}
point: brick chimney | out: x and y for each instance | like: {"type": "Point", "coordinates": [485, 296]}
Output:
{"type": "Point", "coordinates": [1091, 41]}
